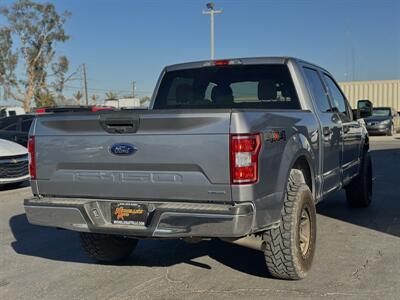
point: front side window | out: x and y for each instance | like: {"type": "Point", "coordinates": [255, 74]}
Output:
{"type": "Point", "coordinates": [243, 86]}
{"type": "Point", "coordinates": [337, 97]}
{"type": "Point", "coordinates": [318, 90]}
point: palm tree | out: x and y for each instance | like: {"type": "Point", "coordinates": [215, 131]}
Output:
{"type": "Point", "coordinates": [94, 98]}
{"type": "Point", "coordinates": [78, 96]}
{"type": "Point", "coordinates": [110, 95]}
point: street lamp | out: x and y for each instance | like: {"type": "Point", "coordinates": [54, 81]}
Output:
{"type": "Point", "coordinates": [211, 11]}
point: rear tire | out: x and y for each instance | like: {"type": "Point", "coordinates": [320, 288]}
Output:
{"type": "Point", "coordinates": [359, 191]}
{"type": "Point", "coordinates": [107, 248]}
{"type": "Point", "coordinates": [290, 248]}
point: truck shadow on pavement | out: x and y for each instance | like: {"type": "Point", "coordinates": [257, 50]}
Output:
{"type": "Point", "coordinates": [63, 245]}
{"type": "Point", "coordinates": [384, 213]}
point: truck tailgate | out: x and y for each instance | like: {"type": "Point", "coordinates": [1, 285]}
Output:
{"type": "Point", "coordinates": [179, 155]}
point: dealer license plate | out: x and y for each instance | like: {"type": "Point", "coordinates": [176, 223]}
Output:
{"type": "Point", "coordinates": [129, 214]}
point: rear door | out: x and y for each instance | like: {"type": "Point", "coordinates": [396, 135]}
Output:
{"type": "Point", "coordinates": [351, 131]}
{"type": "Point", "coordinates": [330, 131]}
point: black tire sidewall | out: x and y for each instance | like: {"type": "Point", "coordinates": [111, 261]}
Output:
{"type": "Point", "coordinates": [107, 248]}
{"type": "Point", "coordinates": [305, 201]}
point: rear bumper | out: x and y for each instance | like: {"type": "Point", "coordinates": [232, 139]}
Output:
{"type": "Point", "coordinates": [172, 219]}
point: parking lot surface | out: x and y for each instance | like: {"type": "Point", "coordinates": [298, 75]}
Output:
{"type": "Point", "coordinates": [358, 255]}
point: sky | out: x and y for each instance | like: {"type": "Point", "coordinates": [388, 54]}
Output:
{"type": "Point", "coordinates": [121, 40]}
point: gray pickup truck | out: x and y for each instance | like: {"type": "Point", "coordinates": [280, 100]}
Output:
{"type": "Point", "coordinates": [238, 149]}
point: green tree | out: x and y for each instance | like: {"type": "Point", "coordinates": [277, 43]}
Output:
{"type": "Point", "coordinates": [95, 98]}
{"type": "Point", "coordinates": [77, 97]}
{"type": "Point", "coordinates": [110, 95]}
{"type": "Point", "coordinates": [59, 70]}
{"type": "Point", "coordinates": [144, 100]}
{"type": "Point", "coordinates": [37, 27]}
{"type": "Point", "coordinates": [44, 99]}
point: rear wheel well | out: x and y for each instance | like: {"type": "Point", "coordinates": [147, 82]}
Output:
{"type": "Point", "coordinates": [303, 165]}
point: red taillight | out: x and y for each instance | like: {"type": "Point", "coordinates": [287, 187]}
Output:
{"type": "Point", "coordinates": [32, 159]}
{"type": "Point", "coordinates": [40, 111]}
{"type": "Point", "coordinates": [222, 62]}
{"type": "Point", "coordinates": [244, 157]}
{"type": "Point", "coordinates": [101, 108]}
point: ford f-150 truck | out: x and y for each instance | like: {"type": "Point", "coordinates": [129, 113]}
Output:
{"type": "Point", "coordinates": [236, 149]}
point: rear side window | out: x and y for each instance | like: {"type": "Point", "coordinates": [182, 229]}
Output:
{"type": "Point", "coordinates": [318, 90]}
{"type": "Point", "coordinates": [244, 86]}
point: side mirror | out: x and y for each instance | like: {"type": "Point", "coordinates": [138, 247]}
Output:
{"type": "Point", "coordinates": [364, 109]}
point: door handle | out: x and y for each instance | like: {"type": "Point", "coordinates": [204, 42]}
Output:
{"type": "Point", "coordinates": [326, 130]}
{"type": "Point", "coordinates": [120, 122]}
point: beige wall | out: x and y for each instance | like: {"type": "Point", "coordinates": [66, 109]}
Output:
{"type": "Point", "coordinates": [380, 92]}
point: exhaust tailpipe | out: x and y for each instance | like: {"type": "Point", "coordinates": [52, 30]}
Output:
{"type": "Point", "coordinates": [252, 242]}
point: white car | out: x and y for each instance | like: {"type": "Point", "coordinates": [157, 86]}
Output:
{"type": "Point", "coordinates": [13, 163]}
{"type": "Point", "coordinates": [11, 111]}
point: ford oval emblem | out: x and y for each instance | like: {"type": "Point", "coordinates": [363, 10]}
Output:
{"type": "Point", "coordinates": [122, 149]}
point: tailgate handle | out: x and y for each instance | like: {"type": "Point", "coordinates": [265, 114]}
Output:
{"type": "Point", "coordinates": [120, 125]}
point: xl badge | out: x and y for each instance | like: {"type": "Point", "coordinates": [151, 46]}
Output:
{"type": "Point", "coordinates": [123, 149]}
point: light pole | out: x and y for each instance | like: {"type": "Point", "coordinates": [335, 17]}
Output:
{"type": "Point", "coordinates": [211, 12]}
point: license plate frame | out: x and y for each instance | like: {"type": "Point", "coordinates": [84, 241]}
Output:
{"type": "Point", "coordinates": [125, 213]}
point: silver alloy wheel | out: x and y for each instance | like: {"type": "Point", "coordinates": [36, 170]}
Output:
{"type": "Point", "coordinates": [304, 231]}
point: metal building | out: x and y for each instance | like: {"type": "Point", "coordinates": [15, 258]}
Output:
{"type": "Point", "coordinates": [380, 92]}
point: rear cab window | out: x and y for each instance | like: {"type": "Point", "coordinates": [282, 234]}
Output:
{"type": "Point", "coordinates": [268, 86]}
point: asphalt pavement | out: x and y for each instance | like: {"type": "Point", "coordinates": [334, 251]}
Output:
{"type": "Point", "coordinates": [358, 255]}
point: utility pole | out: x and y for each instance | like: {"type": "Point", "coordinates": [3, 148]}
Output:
{"type": "Point", "coordinates": [133, 88]}
{"type": "Point", "coordinates": [85, 84]}
{"type": "Point", "coordinates": [353, 60]}
{"type": "Point", "coordinates": [211, 12]}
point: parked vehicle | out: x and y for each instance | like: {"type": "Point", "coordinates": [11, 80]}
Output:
{"type": "Point", "coordinates": [384, 120]}
{"type": "Point", "coordinates": [16, 128]}
{"type": "Point", "coordinates": [11, 111]}
{"type": "Point", "coordinates": [72, 109]}
{"type": "Point", "coordinates": [238, 149]}
{"type": "Point", "coordinates": [13, 163]}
